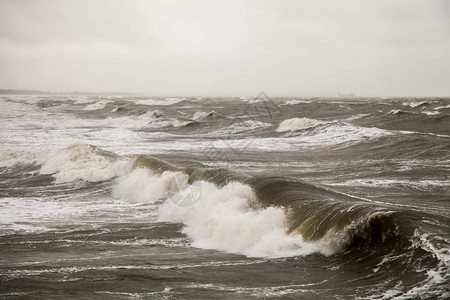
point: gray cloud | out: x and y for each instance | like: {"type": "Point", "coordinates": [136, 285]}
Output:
{"type": "Point", "coordinates": [227, 47]}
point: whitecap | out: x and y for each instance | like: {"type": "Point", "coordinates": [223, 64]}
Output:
{"type": "Point", "coordinates": [295, 124]}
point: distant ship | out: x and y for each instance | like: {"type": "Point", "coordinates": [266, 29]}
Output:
{"type": "Point", "coordinates": [346, 95]}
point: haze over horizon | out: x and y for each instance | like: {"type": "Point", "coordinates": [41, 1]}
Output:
{"type": "Point", "coordinates": [232, 48]}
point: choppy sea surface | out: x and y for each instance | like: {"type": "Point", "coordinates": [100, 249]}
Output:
{"type": "Point", "coordinates": [190, 198]}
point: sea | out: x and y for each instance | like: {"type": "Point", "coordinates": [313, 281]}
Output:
{"type": "Point", "coordinates": [136, 197]}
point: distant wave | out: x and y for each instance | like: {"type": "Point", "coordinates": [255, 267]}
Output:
{"type": "Point", "coordinates": [97, 105]}
{"type": "Point", "coordinates": [81, 161]}
{"type": "Point", "coordinates": [400, 184]}
{"type": "Point", "coordinates": [73, 162]}
{"type": "Point", "coordinates": [201, 115]}
{"type": "Point", "coordinates": [166, 101]}
{"type": "Point", "coordinates": [396, 112]}
{"type": "Point", "coordinates": [423, 112]}
{"type": "Point", "coordinates": [298, 124]}
{"type": "Point", "coordinates": [240, 126]}
{"type": "Point", "coordinates": [443, 107]}
{"type": "Point", "coordinates": [430, 113]}
{"type": "Point", "coordinates": [311, 132]}
{"type": "Point", "coordinates": [134, 120]}
{"type": "Point", "coordinates": [154, 119]}
{"type": "Point", "coordinates": [295, 101]}
{"type": "Point", "coordinates": [414, 104]}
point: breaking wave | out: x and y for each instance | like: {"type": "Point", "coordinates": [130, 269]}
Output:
{"type": "Point", "coordinates": [164, 102]}
{"type": "Point", "coordinates": [266, 216]}
{"type": "Point", "coordinates": [201, 115]}
{"type": "Point", "coordinates": [295, 101]}
{"type": "Point", "coordinates": [256, 216]}
{"type": "Point", "coordinates": [73, 162]}
{"type": "Point", "coordinates": [414, 104]}
{"type": "Point", "coordinates": [311, 132]}
{"type": "Point", "coordinates": [97, 105]}
{"type": "Point", "coordinates": [298, 124]}
{"type": "Point", "coordinates": [152, 119]}
{"type": "Point", "coordinates": [240, 126]}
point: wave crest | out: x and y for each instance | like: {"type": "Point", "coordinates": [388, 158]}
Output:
{"type": "Point", "coordinates": [296, 124]}
{"type": "Point", "coordinates": [81, 161]}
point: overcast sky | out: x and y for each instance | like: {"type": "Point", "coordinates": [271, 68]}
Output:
{"type": "Point", "coordinates": [229, 48]}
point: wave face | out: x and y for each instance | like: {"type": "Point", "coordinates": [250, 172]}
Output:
{"type": "Point", "coordinates": [209, 197]}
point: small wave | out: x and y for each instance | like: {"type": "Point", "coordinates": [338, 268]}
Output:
{"type": "Point", "coordinates": [318, 133]}
{"type": "Point", "coordinates": [251, 100]}
{"type": "Point", "coordinates": [414, 104]}
{"type": "Point", "coordinates": [81, 161]}
{"type": "Point", "coordinates": [151, 119]}
{"type": "Point", "coordinates": [442, 107]}
{"type": "Point", "coordinates": [430, 113]}
{"type": "Point", "coordinates": [295, 124]}
{"type": "Point", "coordinates": [134, 121]}
{"type": "Point", "coordinates": [12, 157]}
{"type": "Point", "coordinates": [389, 183]}
{"type": "Point", "coordinates": [97, 105]}
{"type": "Point", "coordinates": [166, 101]}
{"type": "Point", "coordinates": [396, 112]}
{"type": "Point", "coordinates": [241, 126]}
{"type": "Point", "coordinates": [83, 100]}
{"type": "Point", "coordinates": [201, 115]}
{"type": "Point", "coordinates": [401, 112]}
{"type": "Point", "coordinates": [293, 102]}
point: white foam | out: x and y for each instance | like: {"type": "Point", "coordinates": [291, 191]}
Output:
{"type": "Point", "coordinates": [295, 124]}
{"type": "Point", "coordinates": [151, 119]}
{"type": "Point", "coordinates": [414, 104]}
{"type": "Point", "coordinates": [83, 100]}
{"type": "Point", "coordinates": [11, 157]}
{"type": "Point", "coordinates": [430, 113]}
{"type": "Point", "coordinates": [142, 185]}
{"type": "Point", "coordinates": [169, 123]}
{"type": "Point", "coordinates": [200, 115]}
{"type": "Point", "coordinates": [434, 277]}
{"type": "Point", "coordinates": [222, 219]}
{"type": "Point", "coordinates": [134, 121]}
{"type": "Point", "coordinates": [389, 183]}
{"type": "Point", "coordinates": [166, 101]}
{"type": "Point", "coordinates": [442, 107]}
{"type": "Point", "coordinates": [97, 105]}
{"type": "Point", "coordinates": [293, 102]}
{"type": "Point", "coordinates": [86, 162]}
{"type": "Point", "coordinates": [251, 100]}
{"type": "Point", "coordinates": [240, 126]}
{"type": "Point", "coordinates": [11, 108]}
{"type": "Point", "coordinates": [30, 214]}
{"type": "Point", "coordinates": [338, 133]}
{"type": "Point", "coordinates": [395, 112]}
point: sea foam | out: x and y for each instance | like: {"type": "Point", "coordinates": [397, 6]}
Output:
{"type": "Point", "coordinates": [295, 124]}
{"type": "Point", "coordinates": [226, 219]}
{"type": "Point", "coordinates": [85, 162]}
